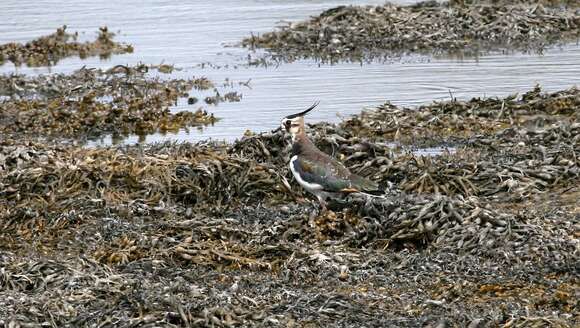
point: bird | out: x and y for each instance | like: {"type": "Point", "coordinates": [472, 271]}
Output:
{"type": "Point", "coordinates": [319, 173]}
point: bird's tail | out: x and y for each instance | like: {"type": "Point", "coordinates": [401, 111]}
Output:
{"type": "Point", "coordinates": [365, 185]}
{"type": "Point", "coordinates": [374, 194]}
{"type": "Point", "coordinates": [377, 192]}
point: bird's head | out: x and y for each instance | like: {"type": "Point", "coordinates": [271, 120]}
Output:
{"type": "Point", "coordinates": [294, 124]}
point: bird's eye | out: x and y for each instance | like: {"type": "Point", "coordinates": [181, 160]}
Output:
{"type": "Point", "coordinates": [287, 123]}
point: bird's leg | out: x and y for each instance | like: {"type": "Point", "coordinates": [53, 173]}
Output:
{"type": "Point", "coordinates": [321, 211]}
{"type": "Point", "coordinates": [322, 202]}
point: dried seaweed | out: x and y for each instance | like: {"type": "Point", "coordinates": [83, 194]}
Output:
{"type": "Point", "coordinates": [215, 234]}
{"type": "Point", "coordinates": [48, 50]}
{"type": "Point", "coordinates": [92, 102]}
{"type": "Point", "coordinates": [362, 33]}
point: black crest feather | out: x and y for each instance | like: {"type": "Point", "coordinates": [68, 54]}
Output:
{"type": "Point", "coordinates": [303, 112]}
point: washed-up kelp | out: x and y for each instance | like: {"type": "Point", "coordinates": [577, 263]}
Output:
{"type": "Point", "coordinates": [359, 33]}
{"type": "Point", "coordinates": [546, 3]}
{"type": "Point", "coordinates": [48, 50]}
{"type": "Point", "coordinates": [93, 102]}
{"type": "Point", "coordinates": [462, 119]}
{"type": "Point", "coordinates": [214, 234]}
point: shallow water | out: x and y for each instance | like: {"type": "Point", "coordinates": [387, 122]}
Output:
{"type": "Point", "coordinates": [189, 34]}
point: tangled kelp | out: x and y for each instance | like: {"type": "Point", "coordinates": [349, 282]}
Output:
{"type": "Point", "coordinates": [217, 235]}
{"type": "Point", "coordinates": [463, 119]}
{"type": "Point", "coordinates": [530, 141]}
{"type": "Point", "coordinates": [48, 50]}
{"type": "Point", "coordinates": [356, 32]}
{"type": "Point", "coordinates": [92, 102]}
{"type": "Point", "coordinates": [547, 3]}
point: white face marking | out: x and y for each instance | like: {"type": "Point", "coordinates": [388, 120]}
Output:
{"type": "Point", "coordinates": [313, 188]}
{"type": "Point", "coordinates": [291, 125]}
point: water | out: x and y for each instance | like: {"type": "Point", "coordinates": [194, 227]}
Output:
{"type": "Point", "coordinates": [190, 33]}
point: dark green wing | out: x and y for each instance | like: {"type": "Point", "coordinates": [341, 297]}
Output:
{"type": "Point", "coordinates": [331, 175]}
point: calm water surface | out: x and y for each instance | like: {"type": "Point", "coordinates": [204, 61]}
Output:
{"type": "Point", "coordinates": [188, 34]}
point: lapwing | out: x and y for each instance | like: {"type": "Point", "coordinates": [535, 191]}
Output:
{"type": "Point", "coordinates": [317, 172]}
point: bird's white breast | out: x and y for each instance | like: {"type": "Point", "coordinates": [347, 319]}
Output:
{"type": "Point", "coordinates": [311, 187]}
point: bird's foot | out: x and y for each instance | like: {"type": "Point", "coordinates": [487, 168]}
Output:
{"type": "Point", "coordinates": [323, 210]}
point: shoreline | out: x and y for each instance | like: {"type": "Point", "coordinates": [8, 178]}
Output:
{"type": "Point", "coordinates": [483, 233]}
{"type": "Point", "coordinates": [367, 33]}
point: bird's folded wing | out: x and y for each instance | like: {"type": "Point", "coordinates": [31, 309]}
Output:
{"type": "Point", "coordinates": [332, 178]}
{"type": "Point", "coordinates": [363, 184]}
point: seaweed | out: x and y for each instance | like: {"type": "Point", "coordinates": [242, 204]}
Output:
{"type": "Point", "coordinates": [49, 50]}
{"type": "Point", "coordinates": [92, 102]}
{"type": "Point", "coordinates": [217, 234]}
{"type": "Point", "coordinates": [460, 28]}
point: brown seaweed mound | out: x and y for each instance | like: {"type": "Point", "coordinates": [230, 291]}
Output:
{"type": "Point", "coordinates": [93, 102]}
{"type": "Point", "coordinates": [356, 32]}
{"type": "Point", "coordinates": [216, 235]}
{"type": "Point", "coordinates": [48, 50]}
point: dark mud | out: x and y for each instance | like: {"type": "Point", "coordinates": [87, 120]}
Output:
{"type": "Point", "coordinates": [219, 235]}
{"type": "Point", "coordinates": [459, 28]}
{"type": "Point", "coordinates": [48, 50]}
{"type": "Point", "coordinates": [91, 103]}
